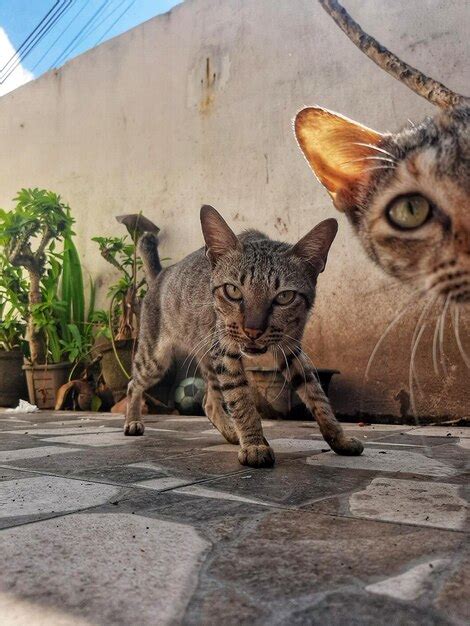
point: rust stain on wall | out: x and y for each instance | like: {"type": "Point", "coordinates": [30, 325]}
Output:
{"type": "Point", "coordinates": [207, 85]}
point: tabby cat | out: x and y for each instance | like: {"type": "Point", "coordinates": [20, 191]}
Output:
{"type": "Point", "coordinates": [238, 297]}
{"type": "Point", "coordinates": [407, 194]}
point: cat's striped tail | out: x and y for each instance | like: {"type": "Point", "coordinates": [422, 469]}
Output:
{"type": "Point", "coordinates": [148, 251]}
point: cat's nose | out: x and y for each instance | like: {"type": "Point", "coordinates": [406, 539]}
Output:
{"type": "Point", "coordinates": [253, 333]}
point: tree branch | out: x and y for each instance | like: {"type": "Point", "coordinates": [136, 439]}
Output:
{"type": "Point", "coordinates": [428, 88]}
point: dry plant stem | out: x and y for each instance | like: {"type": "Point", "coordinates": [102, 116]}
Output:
{"type": "Point", "coordinates": [434, 91]}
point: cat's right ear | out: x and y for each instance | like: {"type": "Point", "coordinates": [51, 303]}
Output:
{"type": "Point", "coordinates": [339, 152]}
{"type": "Point", "coordinates": [218, 236]}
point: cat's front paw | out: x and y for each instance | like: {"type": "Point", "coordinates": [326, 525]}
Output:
{"type": "Point", "coordinates": [257, 456]}
{"type": "Point", "coordinates": [348, 446]}
{"type": "Point", "coordinates": [134, 429]}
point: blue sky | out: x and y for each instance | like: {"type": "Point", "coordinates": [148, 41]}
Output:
{"type": "Point", "coordinates": [84, 24]}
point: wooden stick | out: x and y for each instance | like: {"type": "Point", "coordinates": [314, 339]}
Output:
{"type": "Point", "coordinates": [428, 88]}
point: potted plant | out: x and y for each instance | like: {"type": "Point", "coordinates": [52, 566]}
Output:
{"type": "Point", "coordinates": [13, 305]}
{"type": "Point", "coordinates": [119, 325]}
{"type": "Point", "coordinates": [58, 330]}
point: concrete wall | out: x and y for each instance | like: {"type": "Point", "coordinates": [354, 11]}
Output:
{"type": "Point", "coordinates": [195, 106]}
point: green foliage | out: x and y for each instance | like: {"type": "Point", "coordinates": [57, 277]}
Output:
{"type": "Point", "coordinates": [55, 312]}
{"type": "Point", "coordinates": [13, 306]}
{"type": "Point", "coordinates": [122, 254]}
{"type": "Point", "coordinates": [129, 288]}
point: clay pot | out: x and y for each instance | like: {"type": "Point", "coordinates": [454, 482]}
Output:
{"type": "Point", "coordinates": [12, 379]}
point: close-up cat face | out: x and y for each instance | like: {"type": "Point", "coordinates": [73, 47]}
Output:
{"type": "Point", "coordinates": [263, 289]}
{"type": "Point", "coordinates": [407, 194]}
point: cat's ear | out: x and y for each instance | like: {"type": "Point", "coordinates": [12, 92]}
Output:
{"type": "Point", "coordinates": [314, 246]}
{"type": "Point", "coordinates": [337, 150]}
{"type": "Point", "coordinates": [218, 236]}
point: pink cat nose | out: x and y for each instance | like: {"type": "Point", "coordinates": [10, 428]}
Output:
{"type": "Point", "coordinates": [253, 333]}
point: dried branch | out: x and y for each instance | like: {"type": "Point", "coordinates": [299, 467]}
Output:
{"type": "Point", "coordinates": [428, 88]}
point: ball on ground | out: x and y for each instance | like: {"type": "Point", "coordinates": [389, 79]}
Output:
{"type": "Point", "coordinates": [189, 396]}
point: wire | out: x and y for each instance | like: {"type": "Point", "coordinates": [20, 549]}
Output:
{"type": "Point", "coordinates": [83, 7]}
{"type": "Point", "coordinates": [38, 38]}
{"type": "Point", "coordinates": [90, 21]}
{"type": "Point", "coordinates": [18, 51]}
{"type": "Point", "coordinates": [114, 23]}
{"type": "Point", "coordinates": [92, 30]}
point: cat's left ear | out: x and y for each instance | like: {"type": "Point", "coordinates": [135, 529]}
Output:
{"type": "Point", "coordinates": [219, 237]}
{"type": "Point", "coordinates": [314, 247]}
{"type": "Point", "coordinates": [340, 152]}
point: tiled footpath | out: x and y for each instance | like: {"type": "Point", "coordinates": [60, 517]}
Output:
{"type": "Point", "coordinates": [102, 529]}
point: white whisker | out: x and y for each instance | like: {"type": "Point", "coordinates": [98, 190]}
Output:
{"type": "Point", "coordinates": [392, 324]}
{"type": "Point", "coordinates": [429, 304]}
{"type": "Point", "coordinates": [370, 145]}
{"type": "Point", "coordinates": [455, 320]}
{"type": "Point", "coordinates": [369, 158]}
{"type": "Point", "coordinates": [410, 376]}
{"type": "Point", "coordinates": [441, 334]}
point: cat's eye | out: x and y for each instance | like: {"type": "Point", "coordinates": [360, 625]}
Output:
{"type": "Point", "coordinates": [408, 212]}
{"type": "Point", "coordinates": [232, 292]}
{"type": "Point", "coordinates": [285, 297]}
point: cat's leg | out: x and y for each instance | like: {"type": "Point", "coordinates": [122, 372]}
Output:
{"type": "Point", "coordinates": [148, 369]}
{"type": "Point", "coordinates": [214, 405]}
{"type": "Point", "coordinates": [302, 377]}
{"type": "Point", "coordinates": [255, 450]}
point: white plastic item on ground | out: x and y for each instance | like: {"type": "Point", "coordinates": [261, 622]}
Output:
{"type": "Point", "coordinates": [23, 407]}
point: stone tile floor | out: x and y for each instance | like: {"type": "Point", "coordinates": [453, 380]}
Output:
{"type": "Point", "coordinates": [98, 528]}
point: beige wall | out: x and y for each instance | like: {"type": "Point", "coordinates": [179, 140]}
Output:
{"type": "Point", "coordinates": [195, 106]}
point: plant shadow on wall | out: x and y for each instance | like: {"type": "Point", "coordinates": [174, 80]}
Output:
{"type": "Point", "coordinates": [42, 292]}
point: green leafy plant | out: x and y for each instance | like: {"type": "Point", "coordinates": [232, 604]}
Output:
{"type": "Point", "coordinates": [13, 306]}
{"type": "Point", "coordinates": [129, 289]}
{"type": "Point", "coordinates": [58, 325]}
{"type": "Point", "coordinates": [122, 319]}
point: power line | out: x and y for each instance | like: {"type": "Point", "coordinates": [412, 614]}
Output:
{"type": "Point", "coordinates": [18, 51]}
{"type": "Point", "coordinates": [82, 8]}
{"type": "Point", "coordinates": [114, 23]}
{"type": "Point", "coordinates": [38, 38]}
{"type": "Point", "coordinates": [93, 28]}
{"type": "Point", "coordinates": [90, 21]}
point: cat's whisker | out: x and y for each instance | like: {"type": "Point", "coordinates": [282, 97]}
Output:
{"type": "Point", "coordinates": [372, 147]}
{"type": "Point", "coordinates": [441, 334]}
{"type": "Point", "coordinates": [199, 345]}
{"type": "Point", "coordinates": [413, 300]}
{"type": "Point", "coordinates": [378, 167]}
{"type": "Point", "coordinates": [207, 341]}
{"type": "Point", "coordinates": [303, 353]}
{"type": "Point", "coordinates": [414, 340]}
{"type": "Point", "coordinates": [411, 372]}
{"type": "Point", "coordinates": [211, 347]}
{"type": "Point", "coordinates": [383, 159]}
{"type": "Point", "coordinates": [434, 347]}
{"type": "Point", "coordinates": [301, 366]}
{"type": "Point", "coordinates": [455, 320]}
{"type": "Point", "coordinates": [285, 379]}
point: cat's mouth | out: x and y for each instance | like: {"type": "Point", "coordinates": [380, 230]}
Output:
{"type": "Point", "coordinates": [254, 349]}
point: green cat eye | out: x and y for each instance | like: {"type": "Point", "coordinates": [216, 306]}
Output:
{"type": "Point", "coordinates": [285, 297]}
{"type": "Point", "coordinates": [409, 212]}
{"type": "Point", "coordinates": [232, 292]}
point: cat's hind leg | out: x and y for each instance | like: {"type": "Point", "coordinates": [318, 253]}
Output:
{"type": "Point", "coordinates": [302, 377]}
{"type": "Point", "coordinates": [148, 369]}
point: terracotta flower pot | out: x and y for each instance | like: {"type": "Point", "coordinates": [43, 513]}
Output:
{"type": "Point", "coordinates": [12, 379]}
{"type": "Point", "coordinates": [44, 381]}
